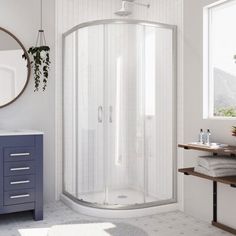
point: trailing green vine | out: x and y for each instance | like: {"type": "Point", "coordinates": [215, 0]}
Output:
{"type": "Point", "coordinates": [40, 63]}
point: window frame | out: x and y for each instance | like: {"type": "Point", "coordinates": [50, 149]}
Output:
{"type": "Point", "coordinates": [208, 82]}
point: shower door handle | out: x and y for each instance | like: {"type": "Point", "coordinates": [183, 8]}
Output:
{"type": "Point", "coordinates": [110, 114]}
{"type": "Point", "coordinates": [100, 111]}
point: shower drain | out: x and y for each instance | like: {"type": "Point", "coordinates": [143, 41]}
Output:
{"type": "Point", "coordinates": [122, 196]}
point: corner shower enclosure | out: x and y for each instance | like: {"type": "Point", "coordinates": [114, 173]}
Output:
{"type": "Point", "coordinates": [119, 124]}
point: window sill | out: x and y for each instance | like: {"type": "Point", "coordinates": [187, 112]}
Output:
{"type": "Point", "coordinates": [220, 118]}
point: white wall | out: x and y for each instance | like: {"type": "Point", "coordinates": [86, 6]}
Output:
{"type": "Point", "coordinates": [198, 192]}
{"type": "Point", "coordinates": [33, 110]}
{"type": "Point", "coordinates": [73, 12]}
{"type": "Point", "coordinates": [7, 42]}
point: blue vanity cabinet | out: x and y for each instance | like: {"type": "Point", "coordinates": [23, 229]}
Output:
{"type": "Point", "coordinates": [21, 174]}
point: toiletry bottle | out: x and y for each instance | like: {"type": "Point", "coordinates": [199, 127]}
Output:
{"type": "Point", "coordinates": [208, 133]}
{"type": "Point", "coordinates": [201, 136]}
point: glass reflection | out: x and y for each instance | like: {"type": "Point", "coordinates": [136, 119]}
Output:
{"type": "Point", "coordinates": [13, 68]}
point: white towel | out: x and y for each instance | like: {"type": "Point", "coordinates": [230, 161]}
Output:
{"type": "Point", "coordinates": [215, 173]}
{"type": "Point", "coordinates": [216, 162]}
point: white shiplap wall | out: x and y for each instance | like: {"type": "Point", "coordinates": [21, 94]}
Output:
{"type": "Point", "coordinates": [74, 12]}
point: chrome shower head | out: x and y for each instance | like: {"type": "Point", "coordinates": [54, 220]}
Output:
{"type": "Point", "coordinates": [123, 11]}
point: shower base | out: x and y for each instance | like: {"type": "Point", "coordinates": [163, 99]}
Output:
{"type": "Point", "coordinates": [139, 210]}
{"type": "Point", "coordinates": [118, 197]}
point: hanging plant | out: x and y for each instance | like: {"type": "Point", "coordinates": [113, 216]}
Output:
{"type": "Point", "coordinates": [40, 62]}
{"type": "Point", "coordinates": [40, 57]}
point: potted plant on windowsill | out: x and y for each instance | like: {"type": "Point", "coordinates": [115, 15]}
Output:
{"type": "Point", "coordinates": [234, 131]}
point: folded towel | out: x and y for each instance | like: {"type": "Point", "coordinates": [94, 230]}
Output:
{"type": "Point", "coordinates": [215, 173]}
{"type": "Point", "coordinates": [216, 162]}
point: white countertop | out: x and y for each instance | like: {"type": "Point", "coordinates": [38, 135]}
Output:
{"type": "Point", "coordinates": [19, 132]}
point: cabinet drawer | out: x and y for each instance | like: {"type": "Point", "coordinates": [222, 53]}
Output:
{"type": "Point", "coordinates": [19, 153]}
{"type": "Point", "coordinates": [19, 168]}
{"type": "Point", "coordinates": [19, 196]}
{"type": "Point", "coordinates": [18, 141]}
{"type": "Point", "coordinates": [19, 182]}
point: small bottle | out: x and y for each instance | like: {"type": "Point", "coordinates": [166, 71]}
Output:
{"type": "Point", "coordinates": [201, 136]}
{"type": "Point", "coordinates": [208, 134]}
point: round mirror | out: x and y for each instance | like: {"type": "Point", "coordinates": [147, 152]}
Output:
{"type": "Point", "coordinates": [14, 68]}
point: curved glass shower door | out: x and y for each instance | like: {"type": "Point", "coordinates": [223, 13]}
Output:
{"type": "Point", "coordinates": [125, 162]}
{"type": "Point", "coordinates": [84, 113]}
{"type": "Point", "coordinates": [119, 114]}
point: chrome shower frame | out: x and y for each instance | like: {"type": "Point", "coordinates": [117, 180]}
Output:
{"type": "Point", "coordinates": [173, 28]}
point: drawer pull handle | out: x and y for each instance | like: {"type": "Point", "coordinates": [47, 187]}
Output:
{"type": "Point", "coordinates": [20, 168]}
{"type": "Point", "coordinates": [20, 182]}
{"type": "Point", "coordinates": [20, 154]}
{"type": "Point", "coordinates": [19, 196]}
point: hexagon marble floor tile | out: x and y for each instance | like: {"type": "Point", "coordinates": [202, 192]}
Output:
{"type": "Point", "coordinates": [59, 220]}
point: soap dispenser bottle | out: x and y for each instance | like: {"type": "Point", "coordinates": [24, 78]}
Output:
{"type": "Point", "coordinates": [201, 136]}
{"type": "Point", "coordinates": [208, 134]}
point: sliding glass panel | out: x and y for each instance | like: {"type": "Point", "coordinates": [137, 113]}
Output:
{"type": "Point", "coordinates": [69, 114]}
{"type": "Point", "coordinates": [159, 113]}
{"type": "Point", "coordinates": [125, 108]}
{"type": "Point", "coordinates": [90, 145]}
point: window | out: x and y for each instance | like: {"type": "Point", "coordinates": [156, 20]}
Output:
{"type": "Point", "coordinates": [219, 60]}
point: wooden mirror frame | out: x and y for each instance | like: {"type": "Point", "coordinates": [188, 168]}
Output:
{"type": "Point", "coordinates": [27, 66]}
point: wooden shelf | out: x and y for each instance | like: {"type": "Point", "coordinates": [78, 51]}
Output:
{"type": "Point", "coordinates": [229, 150]}
{"type": "Point", "coordinates": [230, 180]}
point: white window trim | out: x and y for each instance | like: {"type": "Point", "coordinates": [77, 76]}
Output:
{"type": "Point", "coordinates": [208, 83]}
